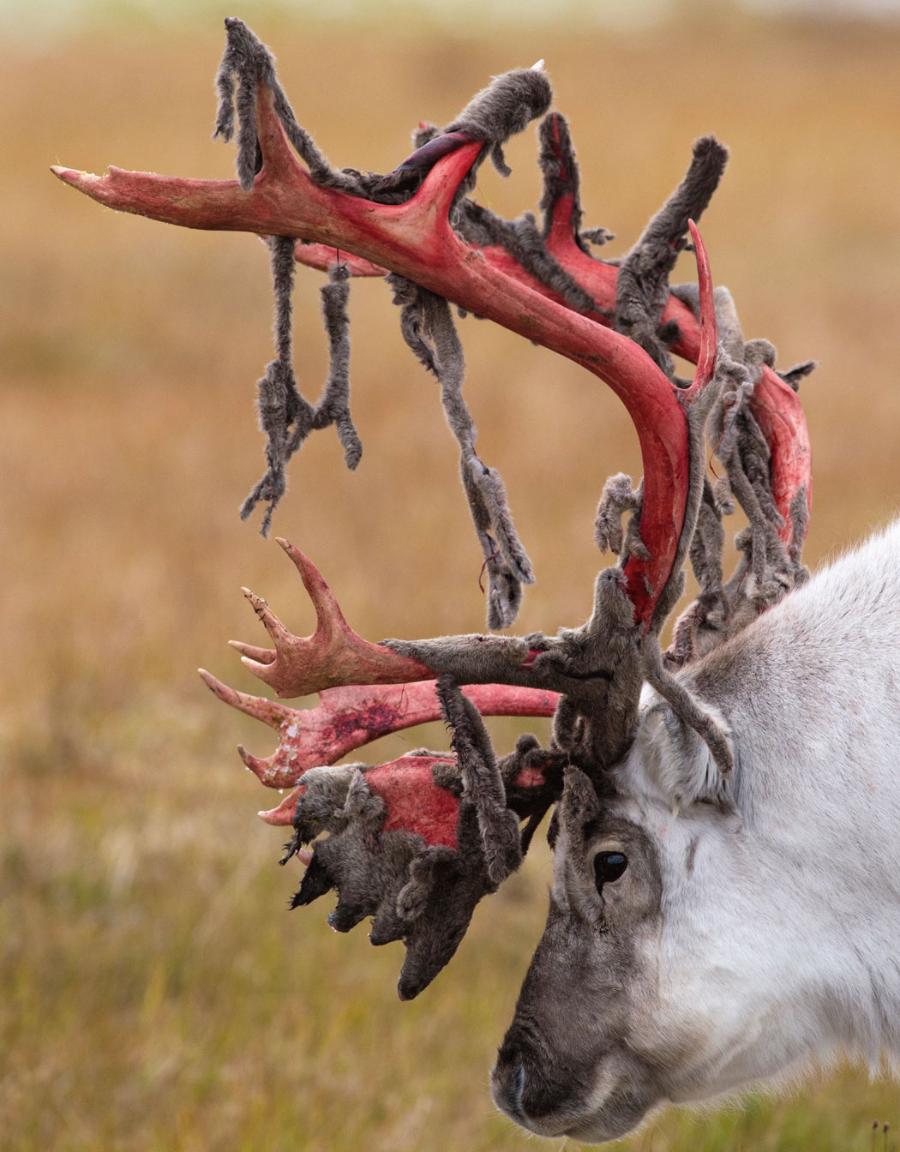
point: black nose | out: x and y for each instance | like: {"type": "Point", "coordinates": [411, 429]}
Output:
{"type": "Point", "coordinates": [527, 1085]}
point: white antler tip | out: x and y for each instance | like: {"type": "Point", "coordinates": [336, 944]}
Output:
{"type": "Point", "coordinates": [538, 66]}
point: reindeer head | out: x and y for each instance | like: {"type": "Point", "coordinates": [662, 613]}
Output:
{"type": "Point", "coordinates": [414, 844]}
{"type": "Point", "coordinates": [613, 1016]}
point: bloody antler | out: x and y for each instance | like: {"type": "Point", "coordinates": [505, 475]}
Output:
{"type": "Point", "coordinates": [333, 655]}
{"type": "Point", "coordinates": [348, 718]}
{"type": "Point", "coordinates": [415, 240]}
{"type": "Point", "coordinates": [774, 402]}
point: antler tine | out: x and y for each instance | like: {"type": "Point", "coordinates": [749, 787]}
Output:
{"type": "Point", "coordinates": [350, 717]}
{"type": "Point", "coordinates": [282, 815]}
{"type": "Point", "coordinates": [333, 655]}
{"type": "Point", "coordinates": [706, 358]}
{"type": "Point", "coordinates": [267, 618]}
{"type": "Point", "coordinates": [269, 711]}
{"type": "Point", "coordinates": [773, 403]}
{"type": "Point", "coordinates": [329, 617]}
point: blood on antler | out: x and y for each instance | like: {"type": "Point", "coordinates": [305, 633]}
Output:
{"type": "Point", "coordinates": [333, 655]}
{"type": "Point", "coordinates": [415, 240]}
{"type": "Point", "coordinates": [415, 843]}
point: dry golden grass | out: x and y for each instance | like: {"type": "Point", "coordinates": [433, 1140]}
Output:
{"type": "Point", "coordinates": [154, 993]}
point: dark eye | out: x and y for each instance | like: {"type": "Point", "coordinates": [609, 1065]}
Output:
{"type": "Point", "coordinates": [608, 867]}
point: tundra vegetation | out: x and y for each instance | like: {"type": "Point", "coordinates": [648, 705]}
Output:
{"type": "Point", "coordinates": [153, 987]}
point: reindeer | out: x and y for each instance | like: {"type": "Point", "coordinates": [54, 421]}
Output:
{"type": "Point", "coordinates": [725, 902]}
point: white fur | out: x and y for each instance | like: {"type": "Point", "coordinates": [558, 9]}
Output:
{"type": "Point", "coordinates": [756, 928]}
{"type": "Point", "coordinates": [782, 943]}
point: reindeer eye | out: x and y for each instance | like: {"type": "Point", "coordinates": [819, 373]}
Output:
{"type": "Point", "coordinates": [608, 867]}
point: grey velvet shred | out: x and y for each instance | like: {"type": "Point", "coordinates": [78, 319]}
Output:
{"type": "Point", "coordinates": [334, 407]}
{"type": "Point", "coordinates": [766, 569]}
{"type": "Point", "coordinates": [799, 372]}
{"type": "Point", "coordinates": [506, 106]}
{"type": "Point", "coordinates": [428, 328]}
{"type": "Point", "coordinates": [285, 416]}
{"type": "Point", "coordinates": [559, 168]}
{"type": "Point", "coordinates": [523, 240]}
{"type": "Point", "coordinates": [482, 782]}
{"type": "Point", "coordinates": [249, 62]}
{"type": "Point", "coordinates": [643, 283]}
{"type": "Point", "coordinates": [617, 498]}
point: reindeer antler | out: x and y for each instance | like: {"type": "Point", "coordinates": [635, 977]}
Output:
{"type": "Point", "coordinates": [333, 655]}
{"type": "Point", "coordinates": [366, 690]}
{"type": "Point", "coordinates": [416, 842]}
{"type": "Point", "coordinates": [415, 240]}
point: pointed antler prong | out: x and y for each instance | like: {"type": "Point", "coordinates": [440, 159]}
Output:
{"type": "Point", "coordinates": [333, 655]}
{"type": "Point", "coordinates": [282, 815]}
{"type": "Point", "coordinates": [706, 358]}
{"type": "Point", "coordinates": [268, 619]}
{"type": "Point", "coordinates": [268, 711]}
{"type": "Point", "coordinates": [262, 669]}
{"type": "Point", "coordinates": [262, 768]}
{"type": "Point", "coordinates": [328, 612]}
{"type": "Point", "coordinates": [257, 655]}
{"type": "Point", "coordinates": [349, 717]}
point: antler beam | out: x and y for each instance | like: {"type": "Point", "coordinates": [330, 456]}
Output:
{"type": "Point", "coordinates": [351, 717]}
{"type": "Point", "coordinates": [415, 239]}
{"type": "Point", "coordinates": [773, 402]}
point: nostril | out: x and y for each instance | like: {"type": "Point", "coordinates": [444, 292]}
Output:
{"type": "Point", "coordinates": [519, 1087]}
{"type": "Point", "coordinates": [509, 1084]}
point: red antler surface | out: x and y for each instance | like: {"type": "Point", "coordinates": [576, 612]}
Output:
{"type": "Point", "coordinates": [417, 841]}
{"type": "Point", "coordinates": [774, 403]}
{"type": "Point", "coordinates": [332, 656]}
{"type": "Point", "coordinates": [416, 240]}
{"type": "Point", "coordinates": [350, 717]}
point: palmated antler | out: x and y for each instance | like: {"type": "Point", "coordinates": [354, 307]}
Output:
{"type": "Point", "coordinates": [416, 842]}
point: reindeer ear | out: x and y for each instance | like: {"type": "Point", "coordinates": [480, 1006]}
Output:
{"type": "Point", "coordinates": [678, 760]}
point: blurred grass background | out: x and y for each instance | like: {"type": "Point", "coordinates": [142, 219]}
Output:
{"type": "Point", "coordinates": [155, 995]}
